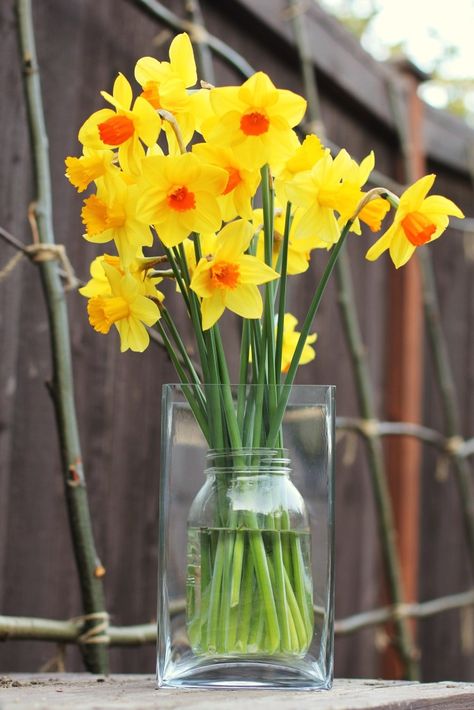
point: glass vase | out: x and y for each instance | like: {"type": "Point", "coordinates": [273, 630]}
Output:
{"type": "Point", "coordinates": [245, 563]}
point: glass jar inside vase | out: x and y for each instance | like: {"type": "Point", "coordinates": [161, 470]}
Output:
{"type": "Point", "coordinates": [245, 553]}
{"type": "Point", "coordinates": [249, 584]}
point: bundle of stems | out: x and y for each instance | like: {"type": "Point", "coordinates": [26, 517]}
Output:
{"type": "Point", "coordinates": [255, 592]}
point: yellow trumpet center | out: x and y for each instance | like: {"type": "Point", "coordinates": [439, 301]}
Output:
{"type": "Point", "coordinates": [105, 310]}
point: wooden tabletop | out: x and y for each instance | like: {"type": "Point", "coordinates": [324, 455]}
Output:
{"type": "Point", "coordinates": [137, 692]}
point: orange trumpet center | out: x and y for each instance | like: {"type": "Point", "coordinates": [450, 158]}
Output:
{"type": "Point", "coordinates": [418, 228]}
{"type": "Point", "coordinates": [254, 123]}
{"type": "Point", "coordinates": [181, 199]}
{"type": "Point", "coordinates": [151, 94]}
{"type": "Point", "coordinates": [224, 274]}
{"type": "Point", "coordinates": [232, 181]}
{"type": "Point", "coordinates": [116, 130]}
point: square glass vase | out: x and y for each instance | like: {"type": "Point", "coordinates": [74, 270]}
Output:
{"type": "Point", "coordinates": [246, 540]}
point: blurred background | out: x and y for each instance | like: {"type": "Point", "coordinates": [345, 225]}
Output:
{"type": "Point", "coordinates": [363, 96]}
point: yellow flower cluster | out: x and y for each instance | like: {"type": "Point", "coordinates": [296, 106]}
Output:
{"type": "Point", "coordinates": [144, 196]}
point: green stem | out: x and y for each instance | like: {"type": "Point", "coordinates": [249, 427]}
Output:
{"type": "Point", "coordinates": [262, 571]}
{"type": "Point", "coordinates": [243, 372]}
{"type": "Point", "coordinates": [280, 592]}
{"type": "Point", "coordinates": [193, 376]}
{"type": "Point", "coordinates": [268, 319]}
{"type": "Point", "coordinates": [282, 292]}
{"type": "Point", "coordinates": [304, 632]}
{"type": "Point", "coordinates": [246, 601]}
{"type": "Point", "coordinates": [308, 322]}
{"type": "Point", "coordinates": [215, 596]}
{"type": "Point", "coordinates": [195, 404]}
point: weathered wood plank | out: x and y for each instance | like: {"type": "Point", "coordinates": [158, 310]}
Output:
{"type": "Point", "coordinates": [83, 692]}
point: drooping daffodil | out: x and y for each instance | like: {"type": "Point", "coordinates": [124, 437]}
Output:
{"type": "Point", "coordinates": [418, 220]}
{"type": "Point", "coordinates": [126, 308]}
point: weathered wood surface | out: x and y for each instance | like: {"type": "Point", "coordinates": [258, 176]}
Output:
{"type": "Point", "coordinates": [138, 692]}
{"type": "Point", "coordinates": [81, 47]}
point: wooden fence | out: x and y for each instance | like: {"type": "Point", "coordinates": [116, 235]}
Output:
{"type": "Point", "coordinates": [81, 47]}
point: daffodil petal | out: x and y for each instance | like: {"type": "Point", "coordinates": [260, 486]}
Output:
{"type": "Point", "coordinates": [122, 92]}
{"type": "Point", "coordinates": [254, 271]}
{"type": "Point", "coordinates": [234, 239]}
{"type": "Point", "coordinates": [414, 195]}
{"type": "Point", "coordinates": [201, 280]}
{"type": "Point", "coordinates": [138, 338]}
{"type": "Point", "coordinates": [436, 204]}
{"type": "Point", "coordinates": [381, 245]}
{"type": "Point", "coordinates": [144, 309]}
{"type": "Point", "coordinates": [211, 309]}
{"type": "Point", "coordinates": [245, 301]}
{"type": "Point", "coordinates": [400, 249]}
{"type": "Point", "coordinates": [182, 59]}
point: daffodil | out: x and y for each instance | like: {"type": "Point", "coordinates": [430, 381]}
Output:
{"type": "Point", "coordinates": [164, 86]}
{"type": "Point", "coordinates": [229, 278]}
{"type": "Point", "coordinates": [236, 198]}
{"type": "Point", "coordinates": [112, 214]}
{"type": "Point", "coordinates": [418, 220]}
{"type": "Point", "coordinates": [320, 192]}
{"type": "Point", "coordinates": [304, 157]}
{"type": "Point", "coordinates": [290, 340]}
{"type": "Point", "coordinates": [256, 120]}
{"type": "Point", "coordinates": [126, 308]}
{"type": "Point", "coordinates": [123, 128]}
{"type": "Point", "coordinates": [355, 177]}
{"type": "Point", "coordinates": [179, 196]}
{"type": "Point", "coordinates": [99, 284]}
{"type": "Point", "coordinates": [91, 166]}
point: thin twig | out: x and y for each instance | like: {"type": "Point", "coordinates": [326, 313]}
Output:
{"type": "Point", "coordinates": [62, 388]}
{"type": "Point", "coordinates": [451, 446]}
{"type": "Point", "coordinates": [231, 57]}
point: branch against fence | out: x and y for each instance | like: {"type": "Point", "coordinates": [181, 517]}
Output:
{"type": "Point", "coordinates": [90, 570]}
{"type": "Point", "coordinates": [34, 629]}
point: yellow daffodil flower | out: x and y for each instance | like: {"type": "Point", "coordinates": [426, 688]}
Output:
{"type": "Point", "coordinates": [303, 158]}
{"type": "Point", "coordinates": [92, 165]}
{"type": "Point", "coordinates": [320, 192]}
{"type": "Point", "coordinates": [299, 249]}
{"type": "Point", "coordinates": [164, 86]}
{"type": "Point", "coordinates": [126, 308]}
{"type": "Point", "coordinates": [236, 198]}
{"type": "Point", "coordinates": [354, 179]}
{"type": "Point", "coordinates": [99, 285]}
{"type": "Point", "coordinates": [256, 120]}
{"type": "Point", "coordinates": [290, 340]}
{"type": "Point", "coordinates": [229, 278]}
{"type": "Point", "coordinates": [179, 196]}
{"type": "Point", "coordinates": [418, 220]}
{"type": "Point", "coordinates": [122, 128]}
{"type": "Point", "coordinates": [111, 214]}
